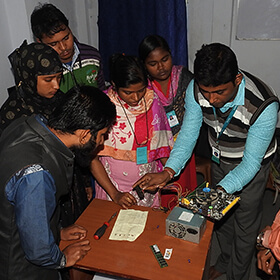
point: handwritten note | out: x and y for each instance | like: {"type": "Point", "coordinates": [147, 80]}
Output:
{"type": "Point", "coordinates": [129, 225]}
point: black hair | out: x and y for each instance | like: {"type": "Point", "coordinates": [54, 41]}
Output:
{"type": "Point", "coordinates": [126, 70]}
{"type": "Point", "coordinates": [83, 108]}
{"type": "Point", "coordinates": [215, 64]}
{"type": "Point", "coordinates": [47, 20]}
{"type": "Point", "coordinates": [149, 44]}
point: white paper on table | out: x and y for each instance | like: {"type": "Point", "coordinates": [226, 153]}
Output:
{"type": "Point", "coordinates": [129, 225]}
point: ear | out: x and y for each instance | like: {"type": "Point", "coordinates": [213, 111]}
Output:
{"type": "Point", "coordinates": [38, 40]}
{"type": "Point", "coordinates": [84, 135]}
{"type": "Point", "coordinates": [238, 79]}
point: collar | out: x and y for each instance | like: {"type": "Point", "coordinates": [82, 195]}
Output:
{"type": "Point", "coordinates": [43, 122]}
{"type": "Point", "coordinates": [75, 56]}
{"type": "Point", "coordinates": [239, 98]}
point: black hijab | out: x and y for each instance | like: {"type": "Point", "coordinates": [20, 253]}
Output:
{"type": "Point", "coordinates": [28, 62]}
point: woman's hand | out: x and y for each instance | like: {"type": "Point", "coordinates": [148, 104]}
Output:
{"type": "Point", "coordinates": [124, 199]}
{"type": "Point", "coordinates": [73, 232]}
{"type": "Point", "coordinates": [153, 181]}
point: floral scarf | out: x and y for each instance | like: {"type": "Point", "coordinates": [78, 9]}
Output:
{"type": "Point", "coordinates": [143, 125]}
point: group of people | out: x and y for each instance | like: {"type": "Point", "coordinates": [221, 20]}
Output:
{"type": "Point", "coordinates": [64, 135]}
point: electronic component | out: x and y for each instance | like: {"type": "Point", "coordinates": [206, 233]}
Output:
{"type": "Point", "coordinates": [167, 254]}
{"type": "Point", "coordinates": [157, 253]}
{"type": "Point", "coordinates": [209, 202]}
{"type": "Point", "coordinates": [184, 224]}
{"type": "Point", "coordinates": [139, 192]}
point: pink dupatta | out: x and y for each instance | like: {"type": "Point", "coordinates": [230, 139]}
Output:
{"type": "Point", "coordinates": [175, 76]}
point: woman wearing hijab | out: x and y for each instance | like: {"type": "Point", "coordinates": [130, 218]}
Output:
{"type": "Point", "coordinates": [37, 71]}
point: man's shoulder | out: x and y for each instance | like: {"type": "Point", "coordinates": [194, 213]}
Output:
{"type": "Point", "coordinates": [87, 50]}
{"type": "Point", "coordinates": [252, 81]}
{"type": "Point", "coordinates": [258, 87]}
{"type": "Point", "coordinates": [83, 46]}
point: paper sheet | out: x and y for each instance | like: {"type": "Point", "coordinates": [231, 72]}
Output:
{"type": "Point", "coordinates": [129, 225]}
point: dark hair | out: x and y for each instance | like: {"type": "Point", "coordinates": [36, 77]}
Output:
{"type": "Point", "coordinates": [126, 70]}
{"type": "Point", "coordinates": [83, 108]}
{"type": "Point", "coordinates": [149, 44]}
{"type": "Point", "coordinates": [215, 64]}
{"type": "Point", "coordinates": [47, 20]}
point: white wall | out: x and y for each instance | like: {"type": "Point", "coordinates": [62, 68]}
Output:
{"type": "Point", "coordinates": [13, 30]}
{"type": "Point", "coordinates": [215, 21]}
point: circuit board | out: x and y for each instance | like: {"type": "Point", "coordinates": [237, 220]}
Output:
{"type": "Point", "coordinates": [212, 203]}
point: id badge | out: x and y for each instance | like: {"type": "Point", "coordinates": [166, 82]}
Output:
{"type": "Point", "coordinates": [172, 118]}
{"type": "Point", "coordinates": [141, 155]}
{"type": "Point", "coordinates": [216, 153]}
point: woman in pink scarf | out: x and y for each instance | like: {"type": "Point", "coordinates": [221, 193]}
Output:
{"type": "Point", "coordinates": [139, 142]}
{"type": "Point", "coordinates": [170, 83]}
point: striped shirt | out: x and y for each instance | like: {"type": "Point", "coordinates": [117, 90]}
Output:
{"type": "Point", "coordinates": [260, 133]}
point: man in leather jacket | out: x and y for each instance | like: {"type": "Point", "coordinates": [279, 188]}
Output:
{"type": "Point", "coordinates": [36, 170]}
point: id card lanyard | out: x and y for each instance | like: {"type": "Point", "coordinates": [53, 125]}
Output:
{"type": "Point", "coordinates": [171, 115]}
{"type": "Point", "coordinates": [142, 151]}
{"type": "Point", "coordinates": [172, 118]}
{"type": "Point", "coordinates": [216, 153]}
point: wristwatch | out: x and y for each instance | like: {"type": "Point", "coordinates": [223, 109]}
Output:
{"type": "Point", "coordinates": [62, 262]}
{"type": "Point", "coordinates": [260, 239]}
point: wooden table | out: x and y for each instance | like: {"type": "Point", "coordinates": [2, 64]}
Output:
{"type": "Point", "coordinates": [135, 260]}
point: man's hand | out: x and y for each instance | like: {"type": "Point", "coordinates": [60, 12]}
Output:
{"type": "Point", "coordinates": [153, 181]}
{"type": "Point", "coordinates": [220, 188]}
{"type": "Point", "coordinates": [76, 252]}
{"type": "Point", "coordinates": [125, 199]}
{"type": "Point", "coordinates": [266, 261]}
{"type": "Point", "coordinates": [73, 232]}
